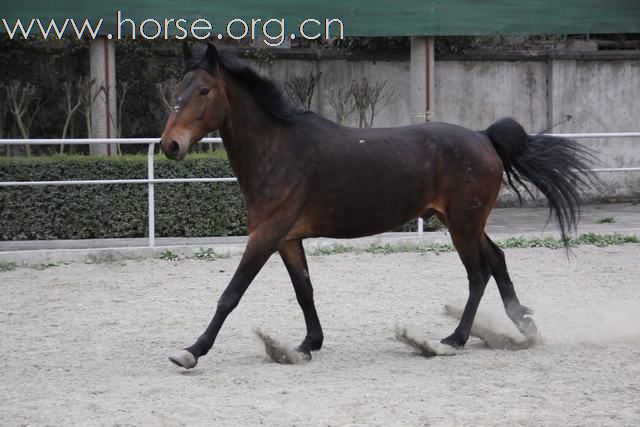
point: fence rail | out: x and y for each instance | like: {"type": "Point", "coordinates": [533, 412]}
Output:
{"type": "Point", "coordinates": [150, 181]}
{"type": "Point", "coordinates": [91, 141]}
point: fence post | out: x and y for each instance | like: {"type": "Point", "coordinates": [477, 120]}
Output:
{"type": "Point", "coordinates": [420, 227]}
{"type": "Point", "coordinates": [151, 196]}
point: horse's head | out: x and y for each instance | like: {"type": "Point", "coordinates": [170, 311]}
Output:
{"type": "Point", "coordinates": [201, 102]}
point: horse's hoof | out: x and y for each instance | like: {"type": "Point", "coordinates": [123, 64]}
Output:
{"type": "Point", "coordinates": [453, 341]}
{"type": "Point", "coordinates": [528, 328]}
{"type": "Point", "coordinates": [184, 359]}
{"type": "Point", "coordinates": [304, 354]}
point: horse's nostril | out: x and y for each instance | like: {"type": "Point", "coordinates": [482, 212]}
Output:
{"type": "Point", "coordinates": [174, 147]}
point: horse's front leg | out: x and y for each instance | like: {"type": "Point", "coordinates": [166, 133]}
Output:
{"type": "Point", "coordinates": [292, 253]}
{"type": "Point", "coordinates": [262, 243]}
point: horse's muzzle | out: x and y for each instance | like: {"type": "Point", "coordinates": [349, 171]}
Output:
{"type": "Point", "coordinates": [172, 150]}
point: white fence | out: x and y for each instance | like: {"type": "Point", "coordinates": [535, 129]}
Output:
{"type": "Point", "coordinates": [150, 181]}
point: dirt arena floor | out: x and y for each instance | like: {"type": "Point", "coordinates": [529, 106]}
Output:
{"type": "Point", "coordinates": [86, 344]}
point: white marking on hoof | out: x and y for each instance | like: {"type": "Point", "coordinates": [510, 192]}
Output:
{"type": "Point", "coordinates": [184, 359]}
{"type": "Point", "coordinates": [528, 328]}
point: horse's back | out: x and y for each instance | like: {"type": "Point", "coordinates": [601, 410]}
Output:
{"type": "Point", "coordinates": [342, 141]}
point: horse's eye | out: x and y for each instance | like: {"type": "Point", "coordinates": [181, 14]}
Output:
{"type": "Point", "coordinates": [204, 91]}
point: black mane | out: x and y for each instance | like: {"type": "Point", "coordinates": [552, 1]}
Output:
{"type": "Point", "coordinates": [266, 93]}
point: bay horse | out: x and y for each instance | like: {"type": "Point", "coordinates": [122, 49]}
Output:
{"type": "Point", "coordinates": [304, 176]}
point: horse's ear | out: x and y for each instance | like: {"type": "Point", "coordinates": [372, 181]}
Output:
{"type": "Point", "coordinates": [186, 51]}
{"type": "Point", "coordinates": [212, 54]}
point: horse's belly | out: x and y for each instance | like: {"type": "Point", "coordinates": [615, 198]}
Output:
{"type": "Point", "coordinates": [371, 209]}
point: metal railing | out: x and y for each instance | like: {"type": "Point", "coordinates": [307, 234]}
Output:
{"type": "Point", "coordinates": [151, 180]}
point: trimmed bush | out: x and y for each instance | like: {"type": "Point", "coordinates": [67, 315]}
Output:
{"type": "Point", "coordinates": [114, 211]}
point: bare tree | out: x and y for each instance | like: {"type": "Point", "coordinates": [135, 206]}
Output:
{"type": "Point", "coordinates": [87, 101]}
{"type": "Point", "coordinates": [300, 89]}
{"type": "Point", "coordinates": [3, 113]}
{"type": "Point", "coordinates": [73, 101]}
{"type": "Point", "coordinates": [121, 96]}
{"type": "Point", "coordinates": [24, 104]}
{"type": "Point", "coordinates": [73, 93]}
{"type": "Point", "coordinates": [368, 97]}
{"type": "Point", "coordinates": [167, 93]}
{"type": "Point", "coordinates": [343, 103]}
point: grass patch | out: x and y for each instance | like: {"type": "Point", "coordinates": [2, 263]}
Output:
{"type": "Point", "coordinates": [208, 254]}
{"type": "Point", "coordinates": [525, 243]}
{"type": "Point", "coordinates": [169, 255]}
{"type": "Point", "coordinates": [388, 248]}
{"type": "Point", "coordinates": [599, 240]}
{"type": "Point", "coordinates": [383, 249]}
{"type": "Point", "coordinates": [7, 266]}
{"type": "Point", "coordinates": [334, 250]}
{"type": "Point", "coordinates": [45, 265]}
{"type": "Point", "coordinates": [606, 220]}
{"type": "Point", "coordinates": [101, 259]}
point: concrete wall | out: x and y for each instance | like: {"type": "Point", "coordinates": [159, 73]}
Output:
{"type": "Point", "coordinates": [338, 74]}
{"type": "Point", "coordinates": [476, 93]}
{"type": "Point", "coordinates": [601, 95]}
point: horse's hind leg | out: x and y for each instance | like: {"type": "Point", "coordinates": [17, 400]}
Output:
{"type": "Point", "coordinates": [519, 314]}
{"type": "Point", "coordinates": [469, 244]}
{"type": "Point", "coordinates": [292, 253]}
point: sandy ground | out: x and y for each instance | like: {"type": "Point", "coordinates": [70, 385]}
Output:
{"type": "Point", "coordinates": [87, 343]}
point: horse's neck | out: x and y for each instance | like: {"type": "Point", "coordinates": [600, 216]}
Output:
{"type": "Point", "coordinates": [250, 138]}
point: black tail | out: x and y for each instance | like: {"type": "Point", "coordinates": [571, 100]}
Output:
{"type": "Point", "coordinates": [559, 167]}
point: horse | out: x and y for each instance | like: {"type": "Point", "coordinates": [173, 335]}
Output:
{"type": "Point", "coordinates": [304, 176]}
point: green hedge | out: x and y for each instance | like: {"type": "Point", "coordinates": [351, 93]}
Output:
{"type": "Point", "coordinates": [116, 211]}
{"type": "Point", "coordinates": [112, 211]}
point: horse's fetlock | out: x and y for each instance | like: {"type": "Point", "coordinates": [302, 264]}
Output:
{"type": "Point", "coordinates": [315, 341]}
